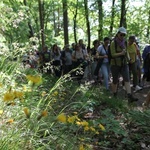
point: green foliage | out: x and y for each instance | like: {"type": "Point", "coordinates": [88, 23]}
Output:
{"type": "Point", "coordinates": [88, 115]}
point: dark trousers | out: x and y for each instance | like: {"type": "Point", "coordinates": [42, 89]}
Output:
{"type": "Point", "coordinates": [57, 68]}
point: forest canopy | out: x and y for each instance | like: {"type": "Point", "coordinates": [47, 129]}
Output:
{"type": "Point", "coordinates": [45, 22]}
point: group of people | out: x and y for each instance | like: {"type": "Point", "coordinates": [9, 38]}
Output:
{"type": "Point", "coordinates": [112, 58]}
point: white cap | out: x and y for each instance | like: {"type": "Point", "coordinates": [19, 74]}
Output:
{"type": "Point", "coordinates": [122, 30]}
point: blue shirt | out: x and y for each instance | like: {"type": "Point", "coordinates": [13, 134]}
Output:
{"type": "Point", "coordinates": [102, 51]}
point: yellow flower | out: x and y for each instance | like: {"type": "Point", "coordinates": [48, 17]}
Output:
{"type": "Point", "coordinates": [44, 113]}
{"type": "Point", "coordinates": [81, 147]}
{"type": "Point", "coordinates": [81, 139]}
{"type": "Point", "coordinates": [1, 112]}
{"type": "Point", "coordinates": [75, 113]}
{"type": "Point", "coordinates": [84, 123]}
{"type": "Point", "coordinates": [102, 127]}
{"type": "Point", "coordinates": [92, 129]}
{"type": "Point", "coordinates": [96, 132]}
{"type": "Point", "coordinates": [8, 96]}
{"type": "Point", "coordinates": [10, 121]}
{"type": "Point", "coordinates": [72, 119]}
{"type": "Point", "coordinates": [27, 112]}
{"type": "Point", "coordinates": [62, 118]}
{"type": "Point", "coordinates": [55, 93]}
{"type": "Point", "coordinates": [43, 94]}
{"type": "Point", "coordinates": [78, 123]}
{"type": "Point", "coordinates": [18, 94]}
{"type": "Point", "coordinates": [86, 128]}
{"type": "Point", "coordinates": [1, 85]}
{"type": "Point", "coordinates": [34, 79]}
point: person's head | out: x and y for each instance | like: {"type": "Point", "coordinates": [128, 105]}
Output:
{"type": "Point", "coordinates": [96, 43]}
{"type": "Point", "coordinates": [106, 40]}
{"type": "Point", "coordinates": [81, 41]}
{"type": "Point", "coordinates": [131, 39]}
{"type": "Point", "coordinates": [55, 47]}
{"type": "Point", "coordinates": [45, 48]}
{"type": "Point", "coordinates": [121, 33]}
{"type": "Point", "coordinates": [77, 47]}
{"type": "Point", "coordinates": [67, 47]}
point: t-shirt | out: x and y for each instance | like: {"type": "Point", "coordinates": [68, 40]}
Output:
{"type": "Point", "coordinates": [132, 52]}
{"type": "Point", "coordinates": [101, 50]}
{"type": "Point", "coordinates": [79, 54]}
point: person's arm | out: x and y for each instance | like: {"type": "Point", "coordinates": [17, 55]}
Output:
{"type": "Point", "coordinates": [138, 52]}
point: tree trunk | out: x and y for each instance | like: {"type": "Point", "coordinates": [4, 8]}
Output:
{"type": "Point", "coordinates": [31, 32]}
{"type": "Point", "coordinates": [75, 22]}
{"type": "Point", "coordinates": [123, 14]}
{"type": "Point", "coordinates": [148, 27]}
{"type": "Point", "coordinates": [41, 17]}
{"type": "Point", "coordinates": [65, 22]}
{"type": "Point", "coordinates": [87, 21]}
{"type": "Point", "coordinates": [112, 17]}
{"type": "Point", "coordinates": [100, 19]}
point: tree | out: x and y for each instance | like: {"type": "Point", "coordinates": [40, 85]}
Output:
{"type": "Point", "coordinates": [100, 19]}
{"type": "Point", "coordinates": [65, 22]}
{"type": "Point", "coordinates": [31, 32]}
{"type": "Point", "coordinates": [87, 21]}
{"type": "Point", "coordinates": [112, 17]}
{"type": "Point", "coordinates": [123, 14]}
{"type": "Point", "coordinates": [41, 18]}
{"type": "Point", "coordinates": [75, 22]}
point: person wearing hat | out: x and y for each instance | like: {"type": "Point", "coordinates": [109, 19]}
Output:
{"type": "Point", "coordinates": [119, 63]}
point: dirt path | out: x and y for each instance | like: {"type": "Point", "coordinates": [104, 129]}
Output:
{"type": "Point", "coordinates": [141, 95]}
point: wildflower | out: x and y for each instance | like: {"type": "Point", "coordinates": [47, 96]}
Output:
{"type": "Point", "coordinates": [43, 94]}
{"type": "Point", "coordinates": [62, 118]}
{"type": "Point", "coordinates": [10, 121]}
{"type": "Point", "coordinates": [78, 123]}
{"type": "Point", "coordinates": [75, 113]}
{"type": "Point", "coordinates": [102, 127]}
{"type": "Point", "coordinates": [1, 112]}
{"type": "Point", "coordinates": [72, 119]}
{"type": "Point", "coordinates": [84, 123]}
{"type": "Point", "coordinates": [1, 84]}
{"type": "Point", "coordinates": [86, 128]}
{"type": "Point", "coordinates": [43, 114]}
{"type": "Point", "coordinates": [81, 147]}
{"type": "Point", "coordinates": [18, 94]}
{"type": "Point", "coordinates": [55, 93]}
{"type": "Point", "coordinates": [92, 129]}
{"type": "Point", "coordinates": [82, 139]}
{"type": "Point", "coordinates": [34, 79]}
{"type": "Point", "coordinates": [96, 132]}
{"type": "Point", "coordinates": [8, 96]}
{"type": "Point", "coordinates": [27, 112]}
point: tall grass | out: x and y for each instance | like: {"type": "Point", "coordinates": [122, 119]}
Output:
{"type": "Point", "coordinates": [41, 112]}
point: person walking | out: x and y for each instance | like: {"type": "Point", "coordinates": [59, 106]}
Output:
{"type": "Point", "coordinates": [119, 63]}
{"type": "Point", "coordinates": [131, 49]}
{"type": "Point", "coordinates": [102, 54]}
